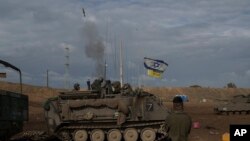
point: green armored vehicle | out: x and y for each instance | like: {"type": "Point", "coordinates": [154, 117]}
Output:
{"type": "Point", "coordinates": [13, 109]}
{"type": "Point", "coordinates": [106, 114]}
{"type": "Point", "coordinates": [238, 104]}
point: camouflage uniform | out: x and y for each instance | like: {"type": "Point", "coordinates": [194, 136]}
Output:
{"type": "Point", "coordinates": [178, 125]}
{"type": "Point", "coordinates": [116, 86]}
{"type": "Point", "coordinates": [127, 89]}
{"type": "Point", "coordinates": [96, 85]}
{"type": "Point", "coordinates": [108, 87]}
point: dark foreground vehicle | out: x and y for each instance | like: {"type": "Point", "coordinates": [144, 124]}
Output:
{"type": "Point", "coordinates": [13, 109]}
{"type": "Point", "coordinates": [99, 115]}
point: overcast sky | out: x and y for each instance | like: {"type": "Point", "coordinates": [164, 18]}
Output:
{"type": "Point", "coordinates": [205, 42]}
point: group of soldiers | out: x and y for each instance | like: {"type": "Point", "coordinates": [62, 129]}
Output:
{"type": "Point", "coordinates": [177, 124]}
{"type": "Point", "coordinates": [110, 87]}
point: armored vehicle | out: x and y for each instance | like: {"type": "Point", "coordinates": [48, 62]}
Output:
{"type": "Point", "coordinates": [106, 114]}
{"type": "Point", "coordinates": [13, 109]}
{"type": "Point", "coordinates": [238, 104]}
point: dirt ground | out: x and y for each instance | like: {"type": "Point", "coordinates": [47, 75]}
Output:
{"type": "Point", "coordinates": [212, 125]}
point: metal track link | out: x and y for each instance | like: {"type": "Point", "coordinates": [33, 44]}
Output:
{"type": "Point", "coordinates": [109, 127]}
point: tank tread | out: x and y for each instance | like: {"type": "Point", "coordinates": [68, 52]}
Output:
{"type": "Point", "coordinates": [240, 112]}
{"type": "Point", "coordinates": [66, 133]}
{"type": "Point", "coordinates": [113, 126]}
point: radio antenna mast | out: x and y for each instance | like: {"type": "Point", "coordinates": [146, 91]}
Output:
{"type": "Point", "coordinates": [66, 85]}
{"type": "Point", "coordinates": [121, 66]}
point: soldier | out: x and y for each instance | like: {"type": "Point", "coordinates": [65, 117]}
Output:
{"type": "Point", "coordinates": [96, 85]}
{"type": "Point", "coordinates": [178, 123]}
{"type": "Point", "coordinates": [76, 87]}
{"type": "Point", "coordinates": [127, 89]}
{"type": "Point", "coordinates": [116, 87]}
{"type": "Point", "coordinates": [88, 84]}
{"type": "Point", "coordinates": [108, 87]}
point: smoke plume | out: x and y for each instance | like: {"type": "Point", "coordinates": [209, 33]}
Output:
{"type": "Point", "coordinates": [94, 47]}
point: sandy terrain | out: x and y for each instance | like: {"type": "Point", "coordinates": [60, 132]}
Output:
{"type": "Point", "coordinates": [200, 107]}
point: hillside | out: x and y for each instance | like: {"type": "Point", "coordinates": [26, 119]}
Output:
{"type": "Point", "coordinates": [198, 94]}
{"type": "Point", "coordinates": [39, 94]}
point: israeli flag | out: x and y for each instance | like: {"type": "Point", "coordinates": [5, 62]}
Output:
{"type": "Point", "coordinates": [155, 65]}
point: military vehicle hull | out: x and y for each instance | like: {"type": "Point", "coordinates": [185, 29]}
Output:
{"type": "Point", "coordinates": [238, 104]}
{"type": "Point", "coordinates": [82, 116]}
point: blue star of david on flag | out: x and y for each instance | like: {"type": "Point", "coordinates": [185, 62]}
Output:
{"type": "Point", "coordinates": [154, 64]}
{"type": "Point", "coordinates": [155, 67]}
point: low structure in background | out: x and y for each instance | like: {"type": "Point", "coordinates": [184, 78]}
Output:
{"type": "Point", "coordinates": [13, 108]}
{"type": "Point", "coordinates": [183, 97]}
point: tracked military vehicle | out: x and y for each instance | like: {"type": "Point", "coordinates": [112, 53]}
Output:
{"type": "Point", "coordinates": [105, 114]}
{"type": "Point", "coordinates": [238, 104]}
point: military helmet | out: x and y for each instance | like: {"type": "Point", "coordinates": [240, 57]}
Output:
{"type": "Point", "coordinates": [177, 99]}
{"type": "Point", "coordinates": [77, 86]}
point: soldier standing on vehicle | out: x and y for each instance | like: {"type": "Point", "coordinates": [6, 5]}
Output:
{"type": "Point", "coordinates": [108, 87]}
{"type": "Point", "coordinates": [88, 84]}
{"type": "Point", "coordinates": [76, 87]}
{"type": "Point", "coordinates": [97, 84]}
{"type": "Point", "coordinates": [178, 123]}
